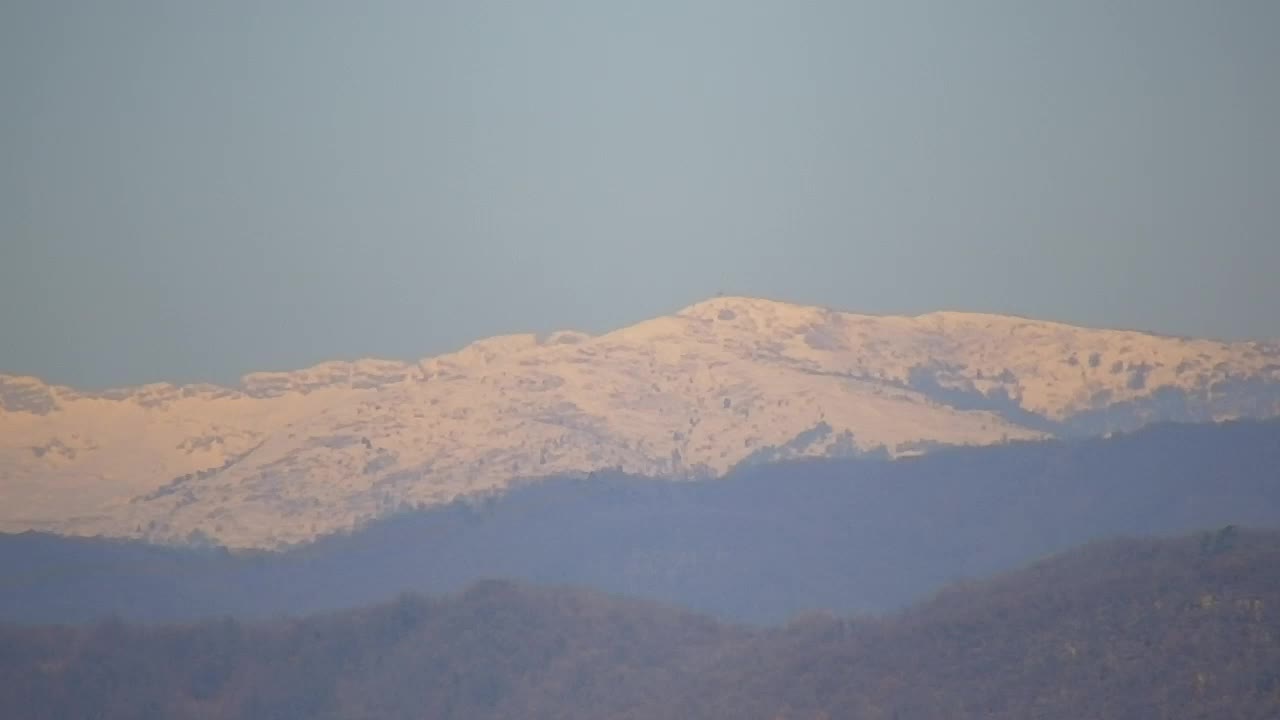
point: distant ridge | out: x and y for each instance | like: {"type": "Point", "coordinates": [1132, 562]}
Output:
{"type": "Point", "coordinates": [722, 383]}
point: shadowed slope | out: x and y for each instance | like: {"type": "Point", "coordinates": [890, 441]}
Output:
{"type": "Point", "coordinates": [761, 545]}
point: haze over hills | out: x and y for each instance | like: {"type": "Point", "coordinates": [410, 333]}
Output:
{"type": "Point", "coordinates": [1136, 629]}
{"type": "Point", "coordinates": [730, 381]}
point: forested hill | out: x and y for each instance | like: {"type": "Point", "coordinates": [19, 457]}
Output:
{"type": "Point", "coordinates": [761, 545]}
{"type": "Point", "coordinates": [1128, 629]}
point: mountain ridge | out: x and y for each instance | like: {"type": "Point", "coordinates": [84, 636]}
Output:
{"type": "Point", "coordinates": [730, 380]}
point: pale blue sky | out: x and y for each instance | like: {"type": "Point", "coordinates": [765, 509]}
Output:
{"type": "Point", "coordinates": [192, 190]}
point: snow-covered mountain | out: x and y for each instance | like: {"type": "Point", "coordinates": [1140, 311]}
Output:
{"type": "Point", "coordinates": [289, 455]}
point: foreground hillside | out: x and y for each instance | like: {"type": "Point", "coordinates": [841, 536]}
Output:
{"type": "Point", "coordinates": [730, 381]}
{"type": "Point", "coordinates": [1128, 630]}
{"type": "Point", "coordinates": [761, 545]}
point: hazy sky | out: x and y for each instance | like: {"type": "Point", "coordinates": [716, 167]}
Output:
{"type": "Point", "coordinates": [192, 190]}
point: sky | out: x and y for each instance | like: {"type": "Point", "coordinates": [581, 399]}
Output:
{"type": "Point", "coordinates": [194, 190]}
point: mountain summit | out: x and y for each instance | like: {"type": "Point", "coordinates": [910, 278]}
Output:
{"type": "Point", "coordinates": [725, 382]}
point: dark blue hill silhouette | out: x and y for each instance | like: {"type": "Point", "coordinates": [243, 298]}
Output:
{"type": "Point", "coordinates": [760, 545]}
{"type": "Point", "coordinates": [1176, 628]}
